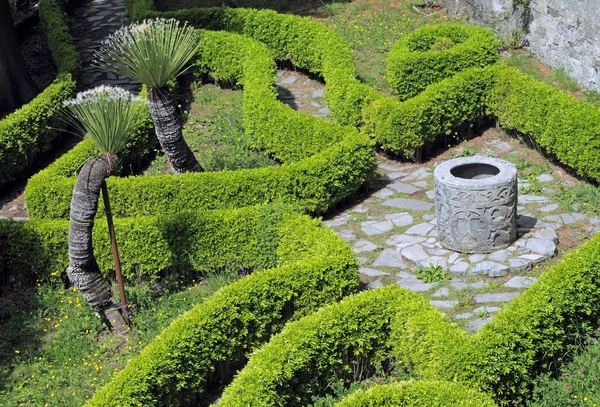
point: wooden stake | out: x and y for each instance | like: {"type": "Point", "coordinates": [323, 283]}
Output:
{"type": "Point", "coordinates": [115, 251]}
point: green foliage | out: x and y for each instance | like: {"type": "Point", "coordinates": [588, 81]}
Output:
{"type": "Point", "coordinates": [323, 163]}
{"type": "Point", "coordinates": [104, 114]}
{"type": "Point", "coordinates": [149, 246]}
{"type": "Point", "coordinates": [418, 394]}
{"type": "Point", "coordinates": [212, 338]}
{"type": "Point", "coordinates": [584, 196]}
{"type": "Point", "coordinates": [61, 46]}
{"type": "Point", "coordinates": [430, 54]}
{"type": "Point", "coordinates": [432, 273]}
{"type": "Point", "coordinates": [577, 384]}
{"type": "Point", "coordinates": [153, 52]}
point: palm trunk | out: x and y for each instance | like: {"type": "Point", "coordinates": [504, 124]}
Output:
{"type": "Point", "coordinates": [169, 131]}
{"type": "Point", "coordinates": [83, 269]}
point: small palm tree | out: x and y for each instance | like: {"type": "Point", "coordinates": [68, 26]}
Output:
{"type": "Point", "coordinates": [104, 114]}
{"type": "Point", "coordinates": [154, 53]}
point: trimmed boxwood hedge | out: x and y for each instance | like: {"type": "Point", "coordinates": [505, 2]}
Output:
{"type": "Point", "coordinates": [27, 132]}
{"type": "Point", "coordinates": [314, 268]}
{"type": "Point", "coordinates": [323, 163]}
{"type": "Point", "coordinates": [418, 394]}
{"type": "Point", "coordinates": [503, 358]}
{"type": "Point", "coordinates": [430, 54]}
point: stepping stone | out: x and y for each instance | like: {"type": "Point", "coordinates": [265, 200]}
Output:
{"type": "Point", "coordinates": [420, 174]}
{"type": "Point", "coordinates": [315, 104]}
{"type": "Point", "coordinates": [389, 258]}
{"type": "Point", "coordinates": [465, 315]}
{"type": "Point", "coordinates": [520, 282]}
{"type": "Point", "coordinates": [478, 323]}
{"type": "Point", "coordinates": [500, 145]}
{"type": "Point", "coordinates": [545, 178]}
{"type": "Point", "coordinates": [360, 209]}
{"type": "Point", "coordinates": [442, 292]}
{"type": "Point", "coordinates": [402, 241]}
{"type": "Point", "coordinates": [428, 217]}
{"type": "Point", "coordinates": [384, 193]}
{"type": "Point", "coordinates": [318, 94]}
{"type": "Point", "coordinates": [452, 258]}
{"type": "Point", "coordinates": [375, 284]}
{"type": "Point", "coordinates": [595, 221]}
{"type": "Point", "coordinates": [430, 194]}
{"type": "Point", "coordinates": [371, 228]}
{"type": "Point", "coordinates": [544, 247]}
{"type": "Point", "coordinates": [363, 246]}
{"type": "Point", "coordinates": [525, 199]}
{"type": "Point", "coordinates": [444, 304]}
{"type": "Point", "coordinates": [495, 297]}
{"type": "Point", "coordinates": [459, 267]}
{"type": "Point", "coordinates": [411, 204]}
{"type": "Point", "coordinates": [420, 230]}
{"type": "Point", "coordinates": [288, 80]}
{"type": "Point", "coordinates": [372, 273]}
{"type": "Point", "coordinates": [389, 168]}
{"type": "Point", "coordinates": [518, 264]}
{"type": "Point", "coordinates": [546, 234]}
{"type": "Point", "coordinates": [499, 256]}
{"type": "Point", "coordinates": [400, 219]}
{"type": "Point", "coordinates": [476, 258]}
{"type": "Point", "coordinates": [490, 268]}
{"type": "Point", "coordinates": [486, 308]}
{"type": "Point", "coordinates": [324, 111]}
{"type": "Point", "coordinates": [340, 220]}
{"type": "Point", "coordinates": [420, 184]}
{"type": "Point", "coordinates": [403, 188]}
{"type": "Point", "coordinates": [347, 235]}
{"type": "Point", "coordinates": [414, 253]}
{"type": "Point", "coordinates": [395, 175]}
{"type": "Point", "coordinates": [361, 260]}
{"type": "Point", "coordinates": [459, 285]}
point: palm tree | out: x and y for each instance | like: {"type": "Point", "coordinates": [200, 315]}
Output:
{"type": "Point", "coordinates": [154, 53]}
{"type": "Point", "coordinates": [104, 114]}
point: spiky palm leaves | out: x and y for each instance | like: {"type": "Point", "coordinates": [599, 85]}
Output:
{"type": "Point", "coordinates": [104, 114]}
{"type": "Point", "coordinates": [155, 52]}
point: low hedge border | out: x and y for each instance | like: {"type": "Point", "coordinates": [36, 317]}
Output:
{"type": "Point", "coordinates": [405, 128]}
{"type": "Point", "coordinates": [322, 163]}
{"type": "Point", "coordinates": [504, 358]}
{"type": "Point", "coordinates": [205, 345]}
{"type": "Point", "coordinates": [430, 54]}
{"type": "Point", "coordinates": [418, 394]}
{"type": "Point", "coordinates": [150, 245]}
{"type": "Point", "coordinates": [27, 132]}
{"type": "Point", "coordinates": [331, 344]}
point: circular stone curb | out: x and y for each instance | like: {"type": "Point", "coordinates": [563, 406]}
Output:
{"type": "Point", "coordinates": [476, 204]}
{"type": "Point", "coordinates": [535, 245]}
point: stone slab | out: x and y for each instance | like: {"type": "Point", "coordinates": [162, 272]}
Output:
{"type": "Point", "coordinates": [389, 258]}
{"type": "Point", "coordinates": [371, 272]}
{"type": "Point", "coordinates": [363, 246]}
{"type": "Point", "coordinates": [411, 204]}
{"type": "Point", "coordinates": [495, 297]}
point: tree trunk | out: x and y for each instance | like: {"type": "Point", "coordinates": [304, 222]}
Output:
{"type": "Point", "coordinates": [83, 269]}
{"type": "Point", "coordinates": [16, 85]}
{"type": "Point", "coordinates": [169, 131]}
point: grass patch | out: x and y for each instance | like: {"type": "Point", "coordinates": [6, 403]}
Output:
{"type": "Point", "coordinates": [54, 351]}
{"type": "Point", "coordinates": [214, 131]}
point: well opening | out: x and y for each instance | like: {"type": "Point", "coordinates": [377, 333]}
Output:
{"type": "Point", "coordinates": [475, 171]}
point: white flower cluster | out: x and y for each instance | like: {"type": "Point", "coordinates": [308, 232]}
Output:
{"type": "Point", "coordinates": [102, 93]}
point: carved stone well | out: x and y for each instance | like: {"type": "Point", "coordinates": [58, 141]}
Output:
{"type": "Point", "coordinates": [476, 204]}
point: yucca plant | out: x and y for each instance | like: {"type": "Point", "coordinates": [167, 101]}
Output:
{"type": "Point", "coordinates": [104, 114]}
{"type": "Point", "coordinates": [155, 52]}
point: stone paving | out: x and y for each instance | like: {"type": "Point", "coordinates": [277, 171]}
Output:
{"type": "Point", "coordinates": [394, 235]}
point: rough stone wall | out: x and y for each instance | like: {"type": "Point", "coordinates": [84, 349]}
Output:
{"type": "Point", "coordinates": [563, 33]}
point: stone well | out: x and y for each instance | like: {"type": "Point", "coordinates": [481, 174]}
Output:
{"type": "Point", "coordinates": [476, 204]}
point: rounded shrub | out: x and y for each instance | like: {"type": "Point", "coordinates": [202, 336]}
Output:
{"type": "Point", "coordinates": [430, 54]}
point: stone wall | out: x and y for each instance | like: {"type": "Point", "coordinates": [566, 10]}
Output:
{"type": "Point", "coordinates": [563, 33]}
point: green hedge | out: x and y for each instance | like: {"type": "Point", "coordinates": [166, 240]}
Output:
{"type": "Point", "coordinates": [504, 358]}
{"type": "Point", "coordinates": [314, 267]}
{"type": "Point", "coordinates": [148, 245]}
{"type": "Point", "coordinates": [28, 131]}
{"type": "Point", "coordinates": [323, 163]}
{"type": "Point", "coordinates": [430, 54]}
{"type": "Point", "coordinates": [418, 394]}
{"type": "Point", "coordinates": [334, 343]}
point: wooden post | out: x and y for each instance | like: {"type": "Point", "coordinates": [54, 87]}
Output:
{"type": "Point", "coordinates": [115, 251]}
